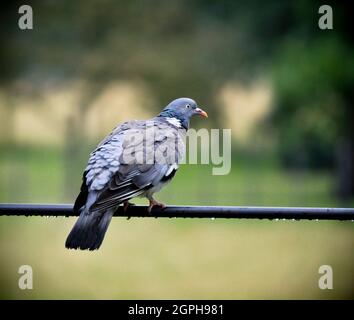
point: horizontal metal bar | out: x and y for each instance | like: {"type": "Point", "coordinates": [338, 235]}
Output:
{"type": "Point", "coordinates": [297, 213]}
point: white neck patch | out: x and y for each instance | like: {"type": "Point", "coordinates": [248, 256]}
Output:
{"type": "Point", "coordinates": [175, 122]}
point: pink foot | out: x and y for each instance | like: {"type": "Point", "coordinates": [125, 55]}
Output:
{"type": "Point", "coordinates": [126, 205]}
{"type": "Point", "coordinates": [154, 203]}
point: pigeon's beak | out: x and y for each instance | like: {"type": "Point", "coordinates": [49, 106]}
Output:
{"type": "Point", "coordinates": [201, 112]}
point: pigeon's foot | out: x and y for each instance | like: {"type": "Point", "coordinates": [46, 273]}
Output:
{"type": "Point", "coordinates": [154, 203]}
{"type": "Point", "coordinates": [126, 205]}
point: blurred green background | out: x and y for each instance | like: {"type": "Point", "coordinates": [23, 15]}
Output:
{"type": "Point", "coordinates": [263, 69]}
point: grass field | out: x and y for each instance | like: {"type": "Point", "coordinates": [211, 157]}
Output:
{"type": "Point", "coordinates": [172, 258]}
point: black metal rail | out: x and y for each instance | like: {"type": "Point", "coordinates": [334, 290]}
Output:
{"type": "Point", "coordinates": [297, 213]}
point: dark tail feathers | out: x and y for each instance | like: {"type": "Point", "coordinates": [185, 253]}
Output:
{"type": "Point", "coordinates": [89, 230]}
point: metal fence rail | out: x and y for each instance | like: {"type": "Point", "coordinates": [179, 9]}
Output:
{"type": "Point", "coordinates": [297, 213]}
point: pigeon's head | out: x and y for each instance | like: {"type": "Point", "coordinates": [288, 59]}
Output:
{"type": "Point", "coordinates": [182, 110]}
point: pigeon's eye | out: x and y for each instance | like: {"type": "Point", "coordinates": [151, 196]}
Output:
{"type": "Point", "coordinates": [188, 106]}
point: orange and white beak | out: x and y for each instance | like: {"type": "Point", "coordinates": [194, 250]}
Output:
{"type": "Point", "coordinates": [201, 112]}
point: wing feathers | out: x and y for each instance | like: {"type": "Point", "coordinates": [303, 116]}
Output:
{"type": "Point", "coordinates": [128, 180]}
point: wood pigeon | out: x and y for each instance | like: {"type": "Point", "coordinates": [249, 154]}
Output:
{"type": "Point", "coordinates": [136, 159]}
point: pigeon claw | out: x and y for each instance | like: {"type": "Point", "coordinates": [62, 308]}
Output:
{"type": "Point", "coordinates": [154, 203]}
{"type": "Point", "coordinates": [126, 206]}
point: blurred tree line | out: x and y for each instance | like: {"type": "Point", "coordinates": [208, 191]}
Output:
{"type": "Point", "coordinates": [192, 48]}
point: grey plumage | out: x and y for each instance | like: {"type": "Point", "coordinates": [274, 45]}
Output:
{"type": "Point", "coordinates": [136, 159]}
